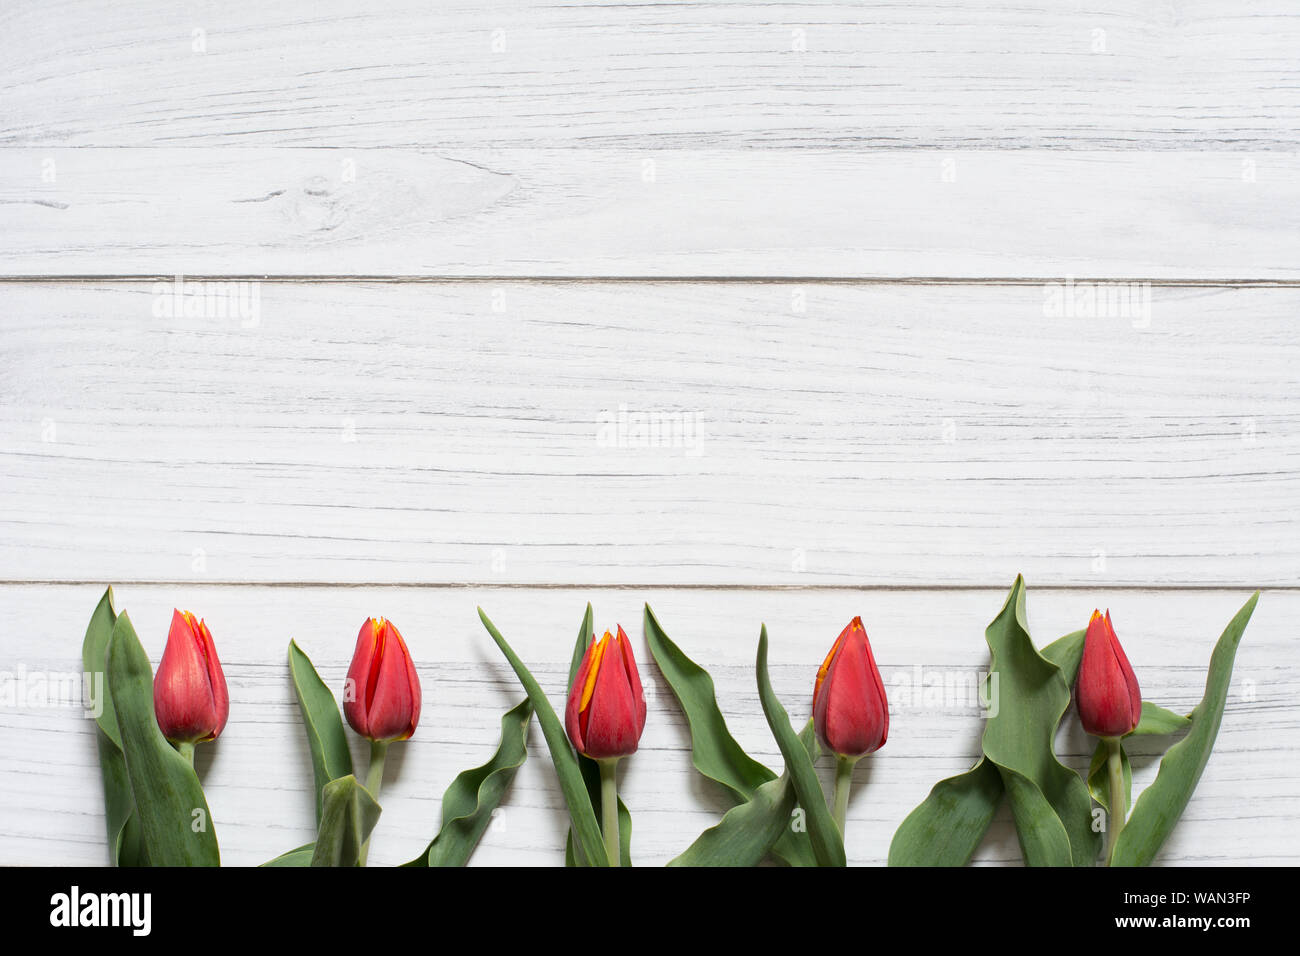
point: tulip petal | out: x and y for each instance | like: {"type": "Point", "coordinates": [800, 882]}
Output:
{"type": "Point", "coordinates": [1130, 678]}
{"type": "Point", "coordinates": [184, 702]}
{"type": "Point", "coordinates": [217, 679]}
{"type": "Point", "coordinates": [850, 709]}
{"type": "Point", "coordinates": [357, 694]}
{"type": "Point", "coordinates": [394, 705]}
{"type": "Point", "coordinates": [634, 680]}
{"type": "Point", "coordinates": [613, 722]}
{"type": "Point", "coordinates": [573, 722]}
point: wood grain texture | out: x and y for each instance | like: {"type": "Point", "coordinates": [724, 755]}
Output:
{"type": "Point", "coordinates": [258, 774]}
{"type": "Point", "coordinates": [461, 211]}
{"type": "Point", "coordinates": [875, 402]}
{"type": "Point", "coordinates": [857, 435]}
{"type": "Point", "coordinates": [957, 74]}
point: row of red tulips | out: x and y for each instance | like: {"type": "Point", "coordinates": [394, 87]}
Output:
{"type": "Point", "coordinates": [606, 710]}
{"type": "Point", "coordinates": [605, 713]}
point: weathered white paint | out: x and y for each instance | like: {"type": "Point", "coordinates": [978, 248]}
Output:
{"type": "Point", "coordinates": [618, 213]}
{"type": "Point", "coordinates": [806, 434]}
{"type": "Point", "coordinates": [955, 74]}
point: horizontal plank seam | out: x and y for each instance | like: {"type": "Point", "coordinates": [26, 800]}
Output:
{"type": "Point", "coordinates": [1184, 282]}
{"type": "Point", "coordinates": [552, 586]}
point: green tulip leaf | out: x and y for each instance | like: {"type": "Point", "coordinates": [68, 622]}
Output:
{"type": "Point", "coordinates": [1162, 803]}
{"type": "Point", "coordinates": [1048, 800]}
{"type": "Point", "coordinates": [1042, 835]}
{"type": "Point", "coordinates": [947, 827]}
{"type": "Point", "coordinates": [1155, 721]}
{"type": "Point", "coordinates": [299, 856]}
{"type": "Point", "coordinates": [1158, 721]}
{"type": "Point", "coordinates": [750, 830]}
{"type": "Point", "coordinates": [582, 816]}
{"type": "Point", "coordinates": [330, 756]}
{"type": "Point", "coordinates": [1099, 777]}
{"type": "Point", "coordinates": [714, 752]}
{"type": "Point", "coordinates": [472, 798]}
{"type": "Point", "coordinates": [591, 769]}
{"type": "Point", "coordinates": [827, 841]}
{"type": "Point", "coordinates": [94, 661]}
{"type": "Point", "coordinates": [121, 823]}
{"type": "Point", "coordinates": [746, 832]}
{"type": "Point", "coordinates": [349, 814]}
{"type": "Point", "coordinates": [176, 826]}
{"type": "Point", "coordinates": [1067, 653]}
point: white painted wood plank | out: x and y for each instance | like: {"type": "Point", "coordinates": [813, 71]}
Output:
{"type": "Point", "coordinates": [630, 213]}
{"type": "Point", "coordinates": [962, 73]}
{"type": "Point", "coordinates": [258, 774]}
{"type": "Point", "coordinates": [880, 436]}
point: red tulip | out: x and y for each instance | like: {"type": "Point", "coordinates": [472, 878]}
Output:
{"type": "Point", "coordinates": [382, 700]}
{"type": "Point", "coordinates": [606, 710]}
{"type": "Point", "coordinates": [850, 711]}
{"type": "Point", "coordinates": [1110, 704]}
{"type": "Point", "coordinates": [189, 691]}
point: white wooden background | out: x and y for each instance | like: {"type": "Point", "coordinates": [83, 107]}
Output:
{"type": "Point", "coordinates": [822, 235]}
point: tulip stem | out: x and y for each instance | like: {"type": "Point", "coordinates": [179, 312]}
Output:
{"type": "Point", "coordinates": [843, 783]}
{"type": "Point", "coordinates": [186, 751]}
{"type": "Point", "coordinates": [1115, 770]}
{"type": "Point", "coordinates": [374, 782]}
{"type": "Point", "coordinates": [609, 809]}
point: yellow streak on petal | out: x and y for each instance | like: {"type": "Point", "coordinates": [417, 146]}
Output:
{"type": "Point", "coordinates": [826, 665]}
{"type": "Point", "coordinates": [589, 687]}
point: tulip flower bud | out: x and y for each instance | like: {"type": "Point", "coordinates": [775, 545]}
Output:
{"type": "Point", "coordinates": [382, 697]}
{"type": "Point", "coordinates": [606, 710]}
{"type": "Point", "coordinates": [850, 711]}
{"type": "Point", "coordinates": [1110, 704]}
{"type": "Point", "coordinates": [189, 691]}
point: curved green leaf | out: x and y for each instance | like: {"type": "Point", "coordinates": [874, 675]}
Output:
{"type": "Point", "coordinates": [330, 756]}
{"type": "Point", "coordinates": [746, 832]}
{"type": "Point", "coordinates": [827, 841]}
{"type": "Point", "coordinates": [1158, 721]}
{"type": "Point", "coordinates": [1099, 777]}
{"type": "Point", "coordinates": [1032, 695]}
{"type": "Point", "coordinates": [299, 856]}
{"type": "Point", "coordinates": [468, 804]}
{"type": "Point", "coordinates": [750, 830]}
{"type": "Point", "coordinates": [714, 752]}
{"type": "Point", "coordinates": [120, 822]}
{"type": "Point", "coordinates": [1067, 653]}
{"type": "Point", "coordinates": [581, 815]}
{"type": "Point", "coordinates": [349, 813]}
{"type": "Point", "coordinates": [1154, 721]}
{"type": "Point", "coordinates": [949, 824]}
{"type": "Point", "coordinates": [1043, 838]}
{"type": "Point", "coordinates": [94, 662]}
{"type": "Point", "coordinates": [1161, 804]}
{"type": "Point", "coordinates": [176, 826]}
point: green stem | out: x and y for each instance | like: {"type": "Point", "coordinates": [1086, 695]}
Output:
{"type": "Point", "coordinates": [843, 782]}
{"type": "Point", "coordinates": [186, 751]}
{"type": "Point", "coordinates": [374, 781]}
{"type": "Point", "coordinates": [609, 808]}
{"type": "Point", "coordinates": [1115, 770]}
